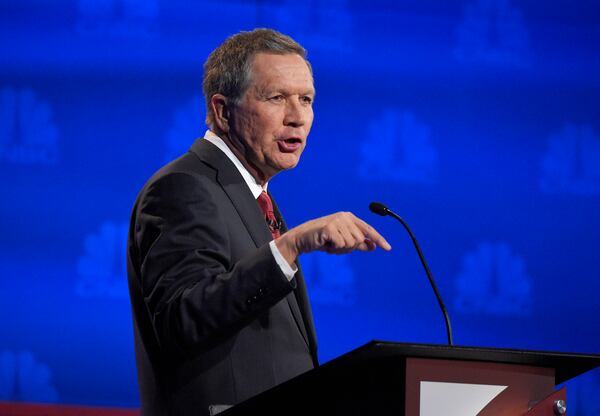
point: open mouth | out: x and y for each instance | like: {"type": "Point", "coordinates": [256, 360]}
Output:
{"type": "Point", "coordinates": [289, 145]}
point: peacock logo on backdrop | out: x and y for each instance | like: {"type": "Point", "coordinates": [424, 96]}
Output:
{"type": "Point", "coordinates": [398, 148]}
{"type": "Point", "coordinates": [571, 163]}
{"type": "Point", "coordinates": [23, 378]}
{"type": "Point", "coordinates": [28, 135]}
{"type": "Point", "coordinates": [493, 281]}
{"type": "Point", "coordinates": [188, 124]}
{"type": "Point", "coordinates": [124, 18]}
{"type": "Point", "coordinates": [102, 270]}
{"type": "Point", "coordinates": [492, 32]}
{"type": "Point", "coordinates": [330, 279]}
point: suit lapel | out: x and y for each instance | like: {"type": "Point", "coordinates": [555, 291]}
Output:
{"type": "Point", "coordinates": [304, 305]}
{"type": "Point", "coordinates": [298, 300]}
{"type": "Point", "coordinates": [236, 189]}
{"type": "Point", "coordinates": [242, 199]}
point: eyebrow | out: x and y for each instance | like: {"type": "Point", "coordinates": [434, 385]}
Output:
{"type": "Point", "coordinates": [269, 90]}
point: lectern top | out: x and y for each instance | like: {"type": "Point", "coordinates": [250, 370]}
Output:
{"type": "Point", "coordinates": [566, 365]}
{"type": "Point", "coordinates": [374, 379]}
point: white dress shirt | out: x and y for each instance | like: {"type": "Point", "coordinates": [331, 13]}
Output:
{"type": "Point", "coordinates": [256, 189]}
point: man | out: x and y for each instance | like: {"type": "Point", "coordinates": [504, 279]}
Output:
{"type": "Point", "coordinates": [219, 303]}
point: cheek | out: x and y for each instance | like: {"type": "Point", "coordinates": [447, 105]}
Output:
{"type": "Point", "coordinates": [251, 125]}
{"type": "Point", "coordinates": [251, 131]}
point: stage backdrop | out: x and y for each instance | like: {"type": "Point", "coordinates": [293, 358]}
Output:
{"type": "Point", "coordinates": [476, 120]}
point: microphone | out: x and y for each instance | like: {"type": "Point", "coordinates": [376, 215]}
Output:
{"type": "Point", "coordinates": [380, 209]}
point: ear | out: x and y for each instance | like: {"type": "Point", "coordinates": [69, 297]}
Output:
{"type": "Point", "coordinates": [221, 111]}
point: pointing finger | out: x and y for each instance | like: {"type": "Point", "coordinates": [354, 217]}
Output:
{"type": "Point", "coordinates": [374, 236]}
{"type": "Point", "coordinates": [366, 245]}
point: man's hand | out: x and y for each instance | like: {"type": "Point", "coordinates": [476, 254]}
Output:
{"type": "Point", "coordinates": [338, 233]}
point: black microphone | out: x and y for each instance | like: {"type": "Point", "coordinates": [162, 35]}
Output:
{"type": "Point", "coordinates": [382, 210]}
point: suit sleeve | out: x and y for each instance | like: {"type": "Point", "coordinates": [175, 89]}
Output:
{"type": "Point", "coordinates": [194, 292]}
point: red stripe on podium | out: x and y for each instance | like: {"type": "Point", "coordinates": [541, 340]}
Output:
{"type": "Point", "coordinates": [35, 409]}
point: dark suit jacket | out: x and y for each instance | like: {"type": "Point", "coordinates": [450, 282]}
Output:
{"type": "Point", "coordinates": [215, 319]}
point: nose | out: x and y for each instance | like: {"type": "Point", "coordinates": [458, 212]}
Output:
{"type": "Point", "coordinates": [297, 113]}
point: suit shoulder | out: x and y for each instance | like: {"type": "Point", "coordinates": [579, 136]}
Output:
{"type": "Point", "coordinates": [188, 164]}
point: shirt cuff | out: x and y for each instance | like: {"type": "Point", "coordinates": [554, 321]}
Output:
{"type": "Point", "coordinates": [286, 269]}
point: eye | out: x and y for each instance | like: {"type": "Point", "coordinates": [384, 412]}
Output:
{"type": "Point", "coordinates": [276, 98]}
{"type": "Point", "coordinates": [306, 99]}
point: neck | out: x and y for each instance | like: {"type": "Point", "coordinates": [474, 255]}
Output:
{"type": "Point", "coordinates": [240, 150]}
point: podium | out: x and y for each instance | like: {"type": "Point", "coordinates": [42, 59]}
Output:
{"type": "Point", "coordinates": [387, 378]}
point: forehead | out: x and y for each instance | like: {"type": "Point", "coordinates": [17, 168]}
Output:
{"type": "Point", "coordinates": [271, 70]}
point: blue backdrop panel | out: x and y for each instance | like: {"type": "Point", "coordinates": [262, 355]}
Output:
{"type": "Point", "coordinates": [476, 120]}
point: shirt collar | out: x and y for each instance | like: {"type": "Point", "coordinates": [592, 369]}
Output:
{"type": "Point", "coordinates": [255, 187]}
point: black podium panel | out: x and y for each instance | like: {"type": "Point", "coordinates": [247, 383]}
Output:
{"type": "Point", "coordinates": [371, 380]}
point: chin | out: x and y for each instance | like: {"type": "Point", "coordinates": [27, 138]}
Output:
{"type": "Point", "coordinates": [288, 161]}
{"type": "Point", "coordinates": [290, 164]}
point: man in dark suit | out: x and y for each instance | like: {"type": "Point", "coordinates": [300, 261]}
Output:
{"type": "Point", "coordinates": [220, 307]}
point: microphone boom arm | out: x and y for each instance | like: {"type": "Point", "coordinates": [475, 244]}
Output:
{"type": "Point", "coordinates": [382, 210]}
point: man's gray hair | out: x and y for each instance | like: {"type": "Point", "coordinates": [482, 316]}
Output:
{"type": "Point", "coordinates": [227, 69]}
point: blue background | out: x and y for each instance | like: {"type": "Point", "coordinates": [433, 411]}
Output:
{"type": "Point", "coordinates": [477, 120]}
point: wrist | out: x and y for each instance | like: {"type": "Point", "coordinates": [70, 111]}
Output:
{"type": "Point", "coordinates": [287, 247]}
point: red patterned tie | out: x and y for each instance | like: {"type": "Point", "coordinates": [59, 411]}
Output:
{"type": "Point", "coordinates": [266, 206]}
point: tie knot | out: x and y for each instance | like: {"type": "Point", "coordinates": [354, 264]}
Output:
{"type": "Point", "coordinates": [266, 206]}
{"type": "Point", "coordinates": [265, 203]}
